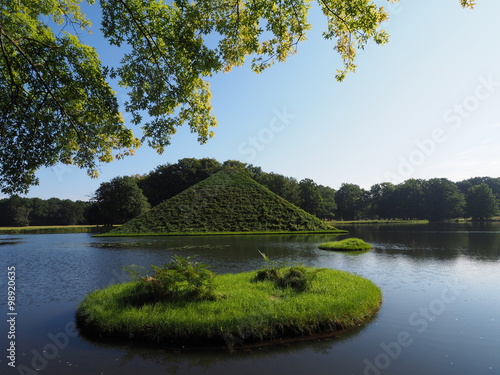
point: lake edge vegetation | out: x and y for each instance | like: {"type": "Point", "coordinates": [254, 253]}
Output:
{"type": "Point", "coordinates": [53, 229]}
{"type": "Point", "coordinates": [122, 198]}
{"type": "Point", "coordinates": [201, 234]}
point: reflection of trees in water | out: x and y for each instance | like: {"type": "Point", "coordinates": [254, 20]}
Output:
{"type": "Point", "coordinates": [484, 246]}
{"type": "Point", "coordinates": [9, 241]}
{"type": "Point", "coordinates": [438, 241]}
{"type": "Point", "coordinates": [226, 253]}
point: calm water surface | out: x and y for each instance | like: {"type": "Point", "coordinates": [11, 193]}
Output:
{"type": "Point", "coordinates": [440, 313]}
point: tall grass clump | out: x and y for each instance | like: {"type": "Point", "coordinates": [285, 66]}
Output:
{"type": "Point", "coordinates": [296, 277]}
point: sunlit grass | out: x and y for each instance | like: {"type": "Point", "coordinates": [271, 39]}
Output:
{"type": "Point", "coordinates": [227, 201]}
{"type": "Point", "coordinates": [255, 310]}
{"type": "Point", "coordinates": [249, 233]}
{"type": "Point", "coordinates": [349, 244]}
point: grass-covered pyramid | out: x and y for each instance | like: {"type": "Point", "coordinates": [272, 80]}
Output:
{"type": "Point", "coordinates": [227, 201]}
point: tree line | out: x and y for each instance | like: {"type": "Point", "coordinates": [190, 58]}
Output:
{"type": "Point", "coordinates": [436, 199]}
{"type": "Point", "coordinates": [125, 197]}
{"type": "Point", "coordinates": [19, 212]}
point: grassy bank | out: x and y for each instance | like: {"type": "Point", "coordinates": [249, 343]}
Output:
{"type": "Point", "coordinates": [350, 222]}
{"type": "Point", "coordinates": [254, 311]}
{"type": "Point", "coordinates": [469, 220]}
{"type": "Point", "coordinates": [54, 229]}
{"type": "Point", "coordinates": [118, 234]}
{"type": "Point", "coordinates": [397, 221]}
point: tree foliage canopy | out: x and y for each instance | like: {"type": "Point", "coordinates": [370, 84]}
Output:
{"type": "Point", "coordinates": [56, 104]}
{"type": "Point", "coordinates": [443, 199]}
{"type": "Point", "coordinates": [118, 201]}
{"type": "Point", "coordinates": [19, 212]}
{"type": "Point", "coordinates": [349, 200]}
{"type": "Point", "coordinates": [481, 202]}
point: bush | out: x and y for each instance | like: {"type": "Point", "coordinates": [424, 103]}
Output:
{"type": "Point", "coordinates": [180, 280]}
{"type": "Point", "coordinates": [296, 277]}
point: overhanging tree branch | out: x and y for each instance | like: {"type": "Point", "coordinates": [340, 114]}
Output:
{"type": "Point", "coordinates": [153, 46]}
{"type": "Point", "coordinates": [44, 83]}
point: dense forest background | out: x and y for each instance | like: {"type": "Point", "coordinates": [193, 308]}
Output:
{"type": "Point", "coordinates": [123, 198]}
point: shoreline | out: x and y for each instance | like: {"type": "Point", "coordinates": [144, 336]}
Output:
{"type": "Point", "coordinates": [55, 229]}
{"type": "Point", "coordinates": [187, 234]}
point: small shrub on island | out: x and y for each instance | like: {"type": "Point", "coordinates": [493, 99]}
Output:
{"type": "Point", "coordinates": [297, 277]}
{"type": "Point", "coordinates": [180, 280]}
{"type": "Point", "coordinates": [349, 244]}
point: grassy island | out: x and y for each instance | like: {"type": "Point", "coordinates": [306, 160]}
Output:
{"type": "Point", "coordinates": [349, 244]}
{"type": "Point", "coordinates": [253, 307]}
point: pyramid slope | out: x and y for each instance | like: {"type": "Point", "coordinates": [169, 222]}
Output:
{"type": "Point", "coordinates": [227, 201]}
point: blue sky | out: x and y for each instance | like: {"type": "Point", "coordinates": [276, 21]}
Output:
{"type": "Point", "coordinates": [425, 105]}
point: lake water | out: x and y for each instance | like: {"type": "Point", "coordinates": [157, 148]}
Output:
{"type": "Point", "coordinates": [440, 311]}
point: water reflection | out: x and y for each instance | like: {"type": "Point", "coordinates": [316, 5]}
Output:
{"type": "Point", "coordinates": [219, 360]}
{"type": "Point", "coordinates": [10, 241]}
{"type": "Point", "coordinates": [441, 241]}
{"type": "Point", "coordinates": [412, 264]}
